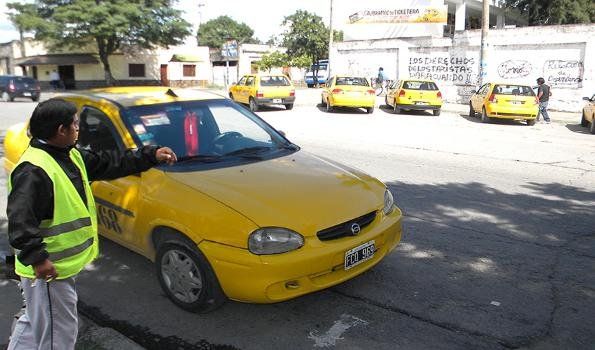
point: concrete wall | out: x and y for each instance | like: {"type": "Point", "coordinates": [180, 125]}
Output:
{"type": "Point", "coordinates": [563, 55]}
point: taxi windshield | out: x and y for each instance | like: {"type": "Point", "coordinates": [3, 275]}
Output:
{"type": "Point", "coordinates": [277, 80]}
{"type": "Point", "coordinates": [352, 81]}
{"type": "Point", "coordinates": [519, 90]}
{"type": "Point", "coordinates": [203, 130]}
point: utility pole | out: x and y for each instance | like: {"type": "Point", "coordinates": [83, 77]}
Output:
{"type": "Point", "coordinates": [483, 54]}
{"type": "Point", "coordinates": [330, 40]}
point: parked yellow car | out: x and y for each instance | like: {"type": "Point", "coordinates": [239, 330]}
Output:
{"type": "Point", "coordinates": [414, 94]}
{"type": "Point", "coordinates": [504, 101]}
{"type": "Point", "coordinates": [244, 213]}
{"type": "Point", "coordinates": [344, 91]}
{"type": "Point", "coordinates": [260, 89]}
{"type": "Point", "coordinates": [588, 117]}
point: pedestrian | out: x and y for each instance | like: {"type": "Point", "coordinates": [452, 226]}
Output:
{"type": "Point", "coordinates": [52, 221]}
{"type": "Point", "coordinates": [55, 80]}
{"type": "Point", "coordinates": [381, 77]}
{"type": "Point", "coordinates": [543, 97]}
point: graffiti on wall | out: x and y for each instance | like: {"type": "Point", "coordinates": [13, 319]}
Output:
{"type": "Point", "coordinates": [443, 67]}
{"type": "Point", "coordinates": [514, 69]}
{"type": "Point", "coordinates": [563, 73]}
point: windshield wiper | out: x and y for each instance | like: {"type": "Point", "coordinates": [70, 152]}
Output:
{"type": "Point", "coordinates": [207, 158]}
{"type": "Point", "coordinates": [248, 152]}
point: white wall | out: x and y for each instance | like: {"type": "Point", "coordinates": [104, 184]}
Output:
{"type": "Point", "coordinates": [563, 55]}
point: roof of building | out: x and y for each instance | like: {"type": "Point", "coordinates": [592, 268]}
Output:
{"type": "Point", "coordinates": [57, 59]}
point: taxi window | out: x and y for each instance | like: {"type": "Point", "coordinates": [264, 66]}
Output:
{"type": "Point", "coordinates": [274, 81]}
{"type": "Point", "coordinates": [249, 81]}
{"type": "Point", "coordinates": [352, 81]}
{"type": "Point", "coordinates": [517, 90]}
{"type": "Point", "coordinates": [242, 81]}
{"type": "Point", "coordinates": [419, 85]}
{"type": "Point", "coordinates": [96, 131]}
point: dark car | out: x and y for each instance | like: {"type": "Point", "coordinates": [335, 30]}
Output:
{"type": "Point", "coordinates": [12, 86]}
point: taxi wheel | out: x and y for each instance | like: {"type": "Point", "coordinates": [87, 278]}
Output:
{"type": "Point", "coordinates": [322, 101]}
{"type": "Point", "coordinates": [289, 106]}
{"type": "Point", "coordinates": [471, 111]}
{"type": "Point", "coordinates": [187, 278]}
{"type": "Point", "coordinates": [231, 96]}
{"type": "Point", "coordinates": [484, 116]}
{"type": "Point", "coordinates": [253, 105]}
{"type": "Point", "coordinates": [436, 112]}
{"type": "Point", "coordinates": [5, 97]}
{"type": "Point", "coordinates": [370, 110]}
{"type": "Point", "coordinates": [592, 128]}
{"type": "Point", "coordinates": [396, 109]}
{"type": "Point", "coordinates": [329, 108]}
{"type": "Point", "coordinates": [530, 122]}
{"type": "Point", "coordinates": [584, 121]}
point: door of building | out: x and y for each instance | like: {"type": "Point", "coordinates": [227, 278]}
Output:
{"type": "Point", "coordinates": [164, 81]}
{"type": "Point", "coordinates": [67, 76]}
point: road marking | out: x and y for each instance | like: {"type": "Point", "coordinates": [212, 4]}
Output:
{"type": "Point", "coordinates": [336, 331]}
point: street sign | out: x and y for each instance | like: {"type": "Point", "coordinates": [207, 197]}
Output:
{"type": "Point", "coordinates": [230, 49]}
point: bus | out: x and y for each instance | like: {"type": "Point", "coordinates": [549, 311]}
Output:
{"type": "Point", "coordinates": [322, 67]}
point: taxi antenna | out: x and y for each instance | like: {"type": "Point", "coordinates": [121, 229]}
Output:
{"type": "Point", "coordinates": [171, 93]}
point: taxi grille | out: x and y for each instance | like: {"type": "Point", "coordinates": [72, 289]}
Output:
{"type": "Point", "coordinates": [344, 229]}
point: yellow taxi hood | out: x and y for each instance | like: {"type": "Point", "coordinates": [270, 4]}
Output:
{"type": "Point", "coordinates": [300, 191]}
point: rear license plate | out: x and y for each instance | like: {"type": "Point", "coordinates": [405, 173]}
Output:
{"type": "Point", "coordinates": [517, 102]}
{"type": "Point", "coordinates": [359, 254]}
{"type": "Point", "coordinates": [26, 94]}
{"type": "Point", "coordinates": [277, 100]}
{"type": "Point", "coordinates": [421, 103]}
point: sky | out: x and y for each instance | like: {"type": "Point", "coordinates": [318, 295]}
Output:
{"type": "Point", "coordinates": [263, 16]}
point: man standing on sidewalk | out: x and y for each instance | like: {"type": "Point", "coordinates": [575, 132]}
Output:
{"type": "Point", "coordinates": [52, 223]}
{"type": "Point", "coordinates": [543, 97]}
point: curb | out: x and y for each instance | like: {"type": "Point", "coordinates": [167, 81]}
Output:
{"type": "Point", "coordinates": [94, 337]}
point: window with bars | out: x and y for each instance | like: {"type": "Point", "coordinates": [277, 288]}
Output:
{"type": "Point", "coordinates": [189, 70]}
{"type": "Point", "coordinates": [136, 70]}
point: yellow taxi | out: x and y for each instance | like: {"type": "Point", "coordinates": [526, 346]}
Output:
{"type": "Point", "coordinates": [259, 89]}
{"type": "Point", "coordinates": [588, 117]}
{"type": "Point", "coordinates": [346, 91]}
{"type": "Point", "coordinates": [504, 101]}
{"type": "Point", "coordinates": [414, 94]}
{"type": "Point", "coordinates": [244, 214]}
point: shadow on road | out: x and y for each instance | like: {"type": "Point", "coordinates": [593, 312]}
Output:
{"type": "Point", "coordinates": [477, 268]}
{"type": "Point", "coordinates": [579, 129]}
{"type": "Point", "coordinates": [341, 110]}
{"type": "Point", "coordinates": [497, 121]}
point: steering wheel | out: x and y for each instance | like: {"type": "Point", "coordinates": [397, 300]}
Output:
{"type": "Point", "coordinates": [226, 135]}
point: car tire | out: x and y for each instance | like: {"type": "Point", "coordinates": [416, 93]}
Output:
{"type": "Point", "coordinates": [386, 100]}
{"type": "Point", "coordinates": [310, 85]}
{"type": "Point", "coordinates": [592, 127]}
{"type": "Point", "coordinates": [370, 110]}
{"type": "Point", "coordinates": [187, 278]}
{"type": "Point", "coordinates": [484, 116]}
{"type": "Point", "coordinates": [289, 106]}
{"type": "Point", "coordinates": [530, 122]}
{"type": "Point", "coordinates": [231, 96]}
{"type": "Point", "coordinates": [5, 97]}
{"type": "Point", "coordinates": [436, 112]}
{"type": "Point", "coordinates": [329, 108]}
{"type": "Point", "coordinates": [471, 111]}
{"type": "Point", "coordinates": [253, 105]}
{"type": "Point", "coordinates": [396, 109]}
{"type": "Point", "coordinates": [322, 101]}
{"type": "Point", "coordinates": [584, 121]}
{"type": "Point", "coordinates": [35, 98]}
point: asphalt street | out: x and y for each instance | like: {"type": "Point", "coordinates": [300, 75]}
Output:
{"type": "Point", "coordinates": [497, 253]}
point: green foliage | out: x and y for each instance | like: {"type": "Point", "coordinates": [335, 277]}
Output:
{"type": "Point", "coordinates": [216, 32]}
{"type": "Point", "coordinates": [544, 12]}
{"type": "Point", "coordinates": [24, 16]}
{"type": "Point", "coordinates": [301, 62]}
{"type": "Point", "coordinates": [110, 25]}
{"type": "Point", "coordinates": [306, 35]}
{"type": "Point", "coordinates": [273, 59]}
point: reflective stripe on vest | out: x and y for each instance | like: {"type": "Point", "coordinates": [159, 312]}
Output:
{"type": "Point", "coordinates": [70, 235]}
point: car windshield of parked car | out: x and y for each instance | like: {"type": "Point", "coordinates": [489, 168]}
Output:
{"type": "Point", "coordinates": [419, 85]}
{"type": "Point", "coordinates": [352, 81]}
{"type": "Point", "coordinates": [277, 80]}
{"type": "Point", "coordinates": [208, 130]}
{"type": "Point", "coordinates": [518, 90]}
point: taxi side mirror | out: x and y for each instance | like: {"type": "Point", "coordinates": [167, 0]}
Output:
{"type": "Point", "coordinates": [586, 99]}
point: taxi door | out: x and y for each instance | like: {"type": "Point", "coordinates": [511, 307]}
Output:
{"type": "Point", "coordinates": [249, 89]}
{"type": "Point", "coordinates": [236, 90]}
{"type": "Point", "coordinates": [478, 98]}
{"type": "Point", "coordinates": [393, 90]}
{"type": "Point", "coordinates": [116, 200]}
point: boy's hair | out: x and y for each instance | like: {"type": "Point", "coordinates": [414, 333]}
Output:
{"type": "Point", "coordinates": [49, 115]}
{"type": "Point", "coordinates": [540, 81]}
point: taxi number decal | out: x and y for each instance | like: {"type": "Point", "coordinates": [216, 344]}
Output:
{"type": "Point", "coordinates": [108, 218]}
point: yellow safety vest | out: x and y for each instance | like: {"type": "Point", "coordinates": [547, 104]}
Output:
{"type": "Point", "coordinates": [71, 234]}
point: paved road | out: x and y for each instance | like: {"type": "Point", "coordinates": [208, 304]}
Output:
{"type": "Point", "coordinates": [497, 249]}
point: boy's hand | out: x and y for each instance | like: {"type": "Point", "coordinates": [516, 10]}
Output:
{"type": "Point", "coordinates": [166, 155]}
{"type": "Point", "coordinates": [45, 270]}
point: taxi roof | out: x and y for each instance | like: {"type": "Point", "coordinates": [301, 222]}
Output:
{"type": "Point", "coordinates": [130, 96]}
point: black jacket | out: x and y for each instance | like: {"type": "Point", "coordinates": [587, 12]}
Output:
{"type": "Point", "coordinates": [31, 199]}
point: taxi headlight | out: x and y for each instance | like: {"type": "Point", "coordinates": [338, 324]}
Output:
{"type": "Point", "coordinates": [274, 240]}
{"type": "Point", "coordinates": [389, 202]}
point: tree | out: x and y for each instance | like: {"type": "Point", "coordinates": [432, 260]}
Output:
{"type": "Point", "coordinates": [216, 32]}
{"type": "Point", "coordinates": [106, 25]}
{"type": "Point", "coordinates": [273, 59]}
{"type": "Point", "coordinates": [24, 19]}
{"type": "Point", "coordinates": [543, 12]}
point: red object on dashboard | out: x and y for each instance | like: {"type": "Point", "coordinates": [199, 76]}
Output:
{"type": "Point", "coordinates": [191, 133]}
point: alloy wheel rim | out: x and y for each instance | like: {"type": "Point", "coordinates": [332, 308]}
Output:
{"type": "Point", "coordinates": [181, 276]}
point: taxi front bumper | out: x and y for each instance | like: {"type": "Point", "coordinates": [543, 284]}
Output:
{"type": "Point", "coordinates": [246, 277]}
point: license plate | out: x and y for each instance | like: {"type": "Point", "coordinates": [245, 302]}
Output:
{"type": "Point", "coordinates": [359, 254]}
{"type": "Point", "coordinates": [517, 102]}
{"type": "Point", "coordinates": [26, 94]}
{"type": "Point", "coordinates": [421, 103]}
{"type": "Point", "coordinates": [277, 100]}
